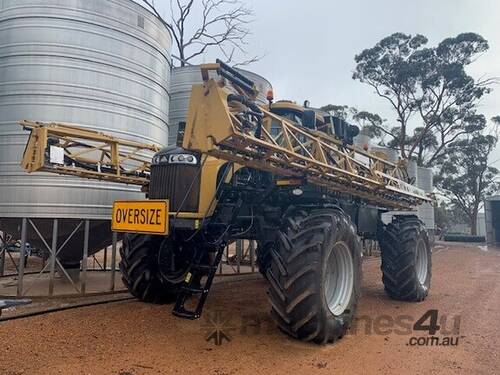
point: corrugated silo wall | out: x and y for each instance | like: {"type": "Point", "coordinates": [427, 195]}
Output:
{"type": "Point", "coordinates": [101, 64]}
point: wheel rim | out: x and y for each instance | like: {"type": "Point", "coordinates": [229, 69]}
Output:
{"type": "Point", "coordinates": [339, 278]}
{"type": "Point", "coordinates": [421, 263]}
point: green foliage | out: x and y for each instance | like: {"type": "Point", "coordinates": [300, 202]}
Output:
{"type": "Point", "coordinates": [341, 111]}
{"type": "Point", "coordinates": [432, 150]}
{"type": "Point", "coordinates": [428, 82]}
{"type": "Point", "coordinates": [370, 124]}
{"type": "Point", "coordinates": [466, 178]}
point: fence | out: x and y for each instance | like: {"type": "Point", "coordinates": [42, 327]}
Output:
{"type": "Point", "coordinates": [102, 267]}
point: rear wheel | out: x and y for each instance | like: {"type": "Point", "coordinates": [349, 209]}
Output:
{"type": "Point", "coordinates": [406, 259]}
{"type": "Point", "coordinates": [140, 269]}
{"type": "Point", "coordinates": [315, 275]}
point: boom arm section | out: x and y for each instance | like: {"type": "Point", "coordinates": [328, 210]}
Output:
{"type": "Point", "coordinates": [233, 128]}
{"type": "Point", "coordinates": [72, 150]}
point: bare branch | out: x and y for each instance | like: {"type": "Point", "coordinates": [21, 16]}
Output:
{"type": "Point", "coordinates": [222, 24]}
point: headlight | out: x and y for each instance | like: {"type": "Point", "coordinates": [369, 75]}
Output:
{"type": "Point", "coordinates": [183, 159]}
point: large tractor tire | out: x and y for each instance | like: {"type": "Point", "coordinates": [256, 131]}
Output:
{"type": "Point", "coordinates": [315, 275]}
{"type": "Point", "coordinates": [140, 271]}
{"type": "Point", "coordinates": [264, 256]}
{"type": "Point", "coordinates": [406, 259]}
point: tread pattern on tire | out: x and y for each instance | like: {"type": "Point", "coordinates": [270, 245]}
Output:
{"type": "Point", "coordinates": [295, 290]}
{"type": "Point", "coordinates": [398, 242]}
{"type": "Point", "coordinates": [139, 269]}
{"type": "Point", "coordinates": [264, 256]}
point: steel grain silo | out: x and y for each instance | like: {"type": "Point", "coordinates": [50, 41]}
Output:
{"type": "Point", "coordinates": [101, 64]}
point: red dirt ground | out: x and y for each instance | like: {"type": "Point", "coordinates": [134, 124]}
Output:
{"type": "Point", "coordinates": [135, 338]}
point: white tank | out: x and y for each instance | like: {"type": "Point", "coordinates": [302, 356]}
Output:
{"type": "Point", "coordinates": [426, 210]}
{"type": "Point", "coordinates": [392, 155]}
{"type": "Point", "coordinates": [425, 179]}
{"type": "Point", "coordinates": [362, 140]}
{"type": "Point", "coordinates": [412, 169]}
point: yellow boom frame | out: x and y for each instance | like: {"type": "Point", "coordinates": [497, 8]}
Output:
{"type": "Point", "coordinates": [214, 128]}
{"type": "Point", "coordinates": [114, 159]}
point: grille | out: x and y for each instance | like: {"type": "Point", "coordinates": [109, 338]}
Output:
{"type": "Point", "coordinates": [172, 182]}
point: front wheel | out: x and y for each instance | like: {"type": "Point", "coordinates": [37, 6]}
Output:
{"type": "Point", "coordinates": [315, 275]}
{"type": "Point", "coordinates": [140, 269]}
{"type": "Point", "coordinates": [406, 259]}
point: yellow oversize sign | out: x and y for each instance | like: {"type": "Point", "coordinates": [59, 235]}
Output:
{"type": "Point", "coordinates": [149, 216]}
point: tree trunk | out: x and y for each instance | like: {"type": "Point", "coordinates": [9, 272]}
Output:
{"type": "Point", "coordinates": [181, 57]}
{"type": "Point", "coordinates": [473, 223]}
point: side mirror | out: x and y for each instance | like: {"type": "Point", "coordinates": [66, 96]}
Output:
{"type": "Point", "coordinates": [309, 119]}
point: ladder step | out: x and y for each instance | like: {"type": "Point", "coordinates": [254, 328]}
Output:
{"type": "Point", "coordinates": [193, 289]}
{"type": "Point", "coordinates": [203, 267]}
{"type": "Point", "coordinates": [186, 314]}
{"type": "Point", "coordinates": [191, 286]}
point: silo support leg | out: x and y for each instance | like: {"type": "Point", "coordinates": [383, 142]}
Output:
{"type": "Point", "coordinates": [53, 254]}
{"type": "Point", "coordinates": [3, 249]}
{"type": "Point", "coordinates": [22, 252]}
{"type": "Point", "coordinates": [239, 252]}
{"type": "Point", "coordinates": [252, 255]}
{"type": "Point", "coordinates": [113, 261]}
{"type": "Point", "coordinates": [54, 251]}
{"type": "Point", "coordinates": [83, 286]}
